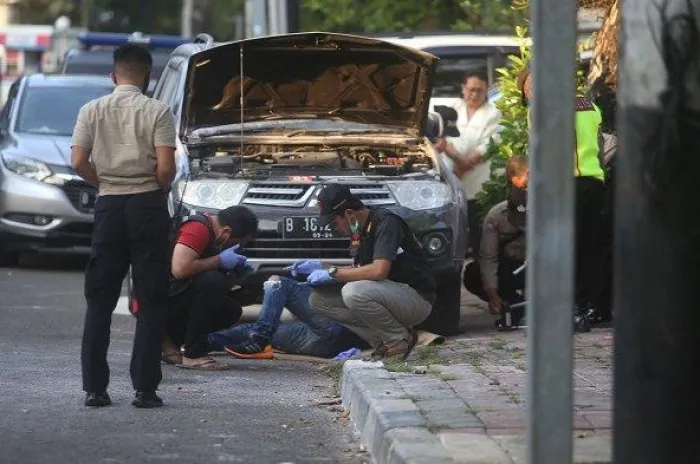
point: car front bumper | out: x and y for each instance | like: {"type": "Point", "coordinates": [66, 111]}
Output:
{"type": "Point", "coordinates": [38, 216]}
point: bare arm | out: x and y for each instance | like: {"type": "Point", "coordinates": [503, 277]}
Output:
{"type": "Point", "coordinates": [186, 262]}
{"type": "Point", "coordinates": [378, 270]}
{"type": "Point", "coordinates": [81, 147]}
{"type": "Point", "coordinates": [165, 167]}
{"type": "Point", "coordinates": [80, 162]}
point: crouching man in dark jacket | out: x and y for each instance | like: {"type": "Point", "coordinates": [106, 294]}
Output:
{"type": "Point", "coordinates": [388, 291]}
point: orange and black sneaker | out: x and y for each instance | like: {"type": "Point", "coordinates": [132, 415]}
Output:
{"type": "Point", "coordinates": [256, 347]}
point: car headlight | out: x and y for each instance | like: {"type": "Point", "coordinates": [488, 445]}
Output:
{"type": "Point", "coordinates": [30, 168]}
{"type": "Point", "coordinates": [212, 194]}
{"type": "Point", "coordinates": [420, 195]}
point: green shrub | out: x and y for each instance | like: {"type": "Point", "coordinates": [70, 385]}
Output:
{"type": "Point", "coordinates": [514, 135]}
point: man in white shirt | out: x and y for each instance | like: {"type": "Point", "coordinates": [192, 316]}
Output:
{"type": "Point", "coordinates": [477, 122]}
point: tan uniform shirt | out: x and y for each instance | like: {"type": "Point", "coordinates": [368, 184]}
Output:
{"type": "Point", "coordinates": [121, 130]}
{"type": "Point", "coordinates": [497, 230]}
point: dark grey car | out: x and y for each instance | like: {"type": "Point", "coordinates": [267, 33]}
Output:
{"type": "Point", "coordinates": [317, 108]}
{"type": "Point", "coordinates": [44, 204]}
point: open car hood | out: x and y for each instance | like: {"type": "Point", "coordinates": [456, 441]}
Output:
{"type": "Point", "coordinates": [315, 75]}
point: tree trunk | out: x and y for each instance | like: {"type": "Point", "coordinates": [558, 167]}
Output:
{"type": "Point", "coordinates": [604, 65]}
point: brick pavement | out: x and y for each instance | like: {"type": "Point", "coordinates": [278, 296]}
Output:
{"type": "Point", "coordinates": [473, 397]}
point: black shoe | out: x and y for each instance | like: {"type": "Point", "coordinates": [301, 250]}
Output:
{"type": "Point", "coordinates": [147, 400]}
{"type": "Point", "coordinates": [97, 399]}
{"type": "Point", "coordinates": [581, 322]}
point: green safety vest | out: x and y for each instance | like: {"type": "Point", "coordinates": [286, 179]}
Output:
{"type": "Point", "coordinates": [586, 155]}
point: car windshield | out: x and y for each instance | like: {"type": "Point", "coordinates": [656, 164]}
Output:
{"type": "Point", "coordinates": [53, 110]}
{"type": "Point", "coordinates": [450, 74]}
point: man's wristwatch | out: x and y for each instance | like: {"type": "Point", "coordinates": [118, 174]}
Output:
{"type": "Point", "coordinates": [332, 270]}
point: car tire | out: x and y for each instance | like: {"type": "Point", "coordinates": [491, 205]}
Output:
{"type": "Point", "coordinates": [446, 314]}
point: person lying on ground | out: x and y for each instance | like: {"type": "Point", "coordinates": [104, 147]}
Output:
{"type": "Point", "coordinates": [310, 335]}
{"type": "Point", "coordinates": [205, 265]}
{"type": "Point", "coordinates": [388, 291]}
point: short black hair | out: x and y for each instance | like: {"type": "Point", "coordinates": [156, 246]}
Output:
{"type": "Point", "coordinates": [241, 220]}
{"type": "Point", "coordinates": [479, 74]}
{"type": "Point", "coordinates": [132, 59]}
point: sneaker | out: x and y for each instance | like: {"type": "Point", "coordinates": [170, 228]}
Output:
{"type": "Point", "coordinates": [97, 399]}
{"type": "Point", "coordinates": [147, 400]}
{"type": "Point", "coordinates": [256, 347]}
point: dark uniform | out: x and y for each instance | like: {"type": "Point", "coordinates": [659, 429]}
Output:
{"type": "Point", "coordinates": [502, 251]}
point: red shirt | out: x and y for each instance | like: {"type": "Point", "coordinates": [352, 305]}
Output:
{"type": "Point", "coordinates": [194, 235]}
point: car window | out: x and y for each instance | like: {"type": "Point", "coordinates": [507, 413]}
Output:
{"type": "Point", "coordinates": [65, 102]}
{"type": "Point", "coordinates": [170, 85]}
{"type": "Point", "coordinates": [6, 112]}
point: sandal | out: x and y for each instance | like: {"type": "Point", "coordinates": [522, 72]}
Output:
{"type": "Point", "coordinates": [377, 354]}
{"type": "Point", "coordinates": [172, 357]}
{"type": "Point", "coordinates": [402, 348]}
{"type": "Point", "coordinates": [205, 364]}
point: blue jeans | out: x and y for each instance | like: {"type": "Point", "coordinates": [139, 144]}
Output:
{"type": "Point", "coordinates": [311, 334]}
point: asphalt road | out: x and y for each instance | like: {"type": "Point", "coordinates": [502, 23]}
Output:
{"type": "Point", "coordinates": [257, 412]}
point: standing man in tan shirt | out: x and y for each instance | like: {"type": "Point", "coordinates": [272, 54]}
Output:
{"type": "Point", "coordinates": [124, 144]}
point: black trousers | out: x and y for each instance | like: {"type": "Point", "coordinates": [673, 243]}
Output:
{"type": "Point", "coordinates": [589, 241]}
{"type": "Point", "coordinates": [129, 229]}
{"type": "Point", "coordinates": [203, 308]}
{"type": "Point", "coordinates": [508, 284]}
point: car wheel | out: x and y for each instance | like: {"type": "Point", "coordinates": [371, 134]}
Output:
{"type": "Point", "coordinates": [132, 301]}
{"type": "Point", "coordinates": [445, 316]}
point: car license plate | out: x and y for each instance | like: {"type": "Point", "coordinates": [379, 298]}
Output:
{"type": "Point", "coordinates": [305, 227]}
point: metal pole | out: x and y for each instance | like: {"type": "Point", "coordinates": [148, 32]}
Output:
{"type": "Point", "coordinates": [657, 347]}
{"type": "Point", "coordinates": [273, 19]}
{"type": "Point", "coordinates": [186, 18]}
{"type": "Point", "coordinates": [550, 275]}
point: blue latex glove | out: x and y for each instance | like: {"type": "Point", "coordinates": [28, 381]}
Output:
{"type": "Point", "coordinates": [230, 259]}
{"type": "Point", "coordinates": [319, 277]}
{"type": "Point", "coordinates": [302, 266]}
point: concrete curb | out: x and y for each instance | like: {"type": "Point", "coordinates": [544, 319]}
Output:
{"type": "Point", "coordinates": [394, 418]}
{"type": "Point", "coordinates": [409, 418]}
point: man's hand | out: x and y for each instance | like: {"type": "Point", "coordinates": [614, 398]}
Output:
{"type": "Point", "coordinates": [441, 145]}
{"type": "Point", "coordinates": [319, 277]}
{"type": "Point", "coordinates": [302, 266]}
{"type": "Point", "coordinates": [230, 259]}
{"type": "Point", "coordinates": [495, 302]}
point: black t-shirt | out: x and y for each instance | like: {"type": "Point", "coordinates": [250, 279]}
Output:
{"type": "Point", "coordinates": [387, 236]}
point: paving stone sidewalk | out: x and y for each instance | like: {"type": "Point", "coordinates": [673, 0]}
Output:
{"type": "Point", "coordinates": [465, 401]}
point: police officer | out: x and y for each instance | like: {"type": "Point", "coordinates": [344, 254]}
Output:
{"type": "Point", "coordinates": [503, 247]}
{"type": "Point", "coordinates": [389, 290]}
{"type": "Point", "coordinates": [590, 198]}
{"type": "Point", "coordinates": [124, 144]}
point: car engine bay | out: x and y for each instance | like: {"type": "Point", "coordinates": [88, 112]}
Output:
{"type": "Point", "coordinates": [264, 160]}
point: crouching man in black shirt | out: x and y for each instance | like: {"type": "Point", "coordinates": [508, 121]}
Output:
{"type": "Point", "coordinates": [388, 291]}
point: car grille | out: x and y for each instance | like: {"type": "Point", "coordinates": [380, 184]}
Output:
{"type": "Point", "coordinates": [298, 249]}
{"type": "Point", "coordinates": [278, 194]}
{"type": "Point", "coordinates": [298, 195]}
{"type": "Point", "coordinates": [81, 195]}
{"type": "Point", "coordinates": [372, 194]}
